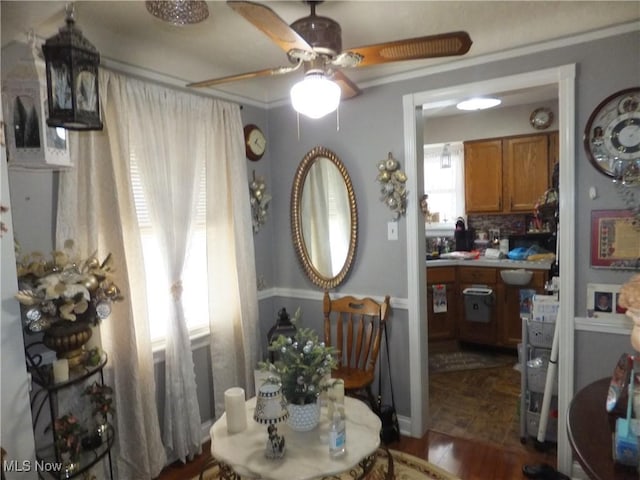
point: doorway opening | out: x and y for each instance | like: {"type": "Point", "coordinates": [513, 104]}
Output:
{"type": "Point", "coordinates": [564, 78]}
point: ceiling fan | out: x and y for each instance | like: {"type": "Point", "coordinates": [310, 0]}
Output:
{"type": "Point", "coordinates": [315, 44]}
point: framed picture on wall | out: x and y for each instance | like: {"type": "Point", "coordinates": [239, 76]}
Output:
{"type": "Point", "coordinates": [602, 301]}
{"type": "Point", "coordinates": [615, 240]}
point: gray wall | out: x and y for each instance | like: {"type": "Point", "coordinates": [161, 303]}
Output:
{"type": "Point", "coordinates": [499, 122]}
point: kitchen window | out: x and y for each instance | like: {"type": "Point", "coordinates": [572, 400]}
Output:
{"type": "Point", "coordinates": [194, 276]}
{"type": "Point", "coordinates": [444, 183]}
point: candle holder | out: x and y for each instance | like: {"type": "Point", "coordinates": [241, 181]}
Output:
{"type": "Point", "coordinates": [271, 409]}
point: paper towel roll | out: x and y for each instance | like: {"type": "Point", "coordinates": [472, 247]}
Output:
{"type": "Point", "coordinates": [504, 245]}
{"type": "Point", "coordinates": [234, 407]}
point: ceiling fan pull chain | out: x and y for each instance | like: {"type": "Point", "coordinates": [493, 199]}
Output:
{"type": "Point", "coordinates": [298, 124]}
{"type": "Point", "coordinates": [338, 119]}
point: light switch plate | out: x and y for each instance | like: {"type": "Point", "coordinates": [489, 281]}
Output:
{"type": "Point", "coordinates": [392, 230]}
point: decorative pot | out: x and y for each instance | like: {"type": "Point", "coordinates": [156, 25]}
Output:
{"type": "Point", "coordinates": [303, 418]}
{"type": "Point", "coordinates": [67, 338]}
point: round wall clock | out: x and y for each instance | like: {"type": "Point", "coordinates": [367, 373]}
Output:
{"type": "Point", "coordinates": [541, 118]}
{"type": "Point", "coordinates": [255, 142]}
{"type": "Point", "coordinates": [612, 134]}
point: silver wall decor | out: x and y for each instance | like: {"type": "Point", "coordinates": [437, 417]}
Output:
{"type": "Point", "coordinates": [392, 186]}
{"type": "Point", "coordinates": [259, 199]}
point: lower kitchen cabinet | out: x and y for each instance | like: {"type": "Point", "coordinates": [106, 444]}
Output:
{"type": "Point", "coordinates": [504, 327]}
{"type": "Point", "coordinates": [508, 296]}
{"type": "Point", "coordinates": [442, 325]}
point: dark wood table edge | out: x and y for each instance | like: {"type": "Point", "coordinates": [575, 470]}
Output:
{"type": "Point", "coordinates": [589, 404]}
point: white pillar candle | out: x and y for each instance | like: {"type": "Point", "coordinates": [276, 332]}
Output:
{"type": "Point", "coordinates": [60, 370]}
{"type": "Point", "coordinates": [336, 398]}
{"type": "Point", "coordinates": [234, 406]}
{"type": "Point", "coordinates": [338, 392]}
{"type": "Point", "coordinates": [324, 394]}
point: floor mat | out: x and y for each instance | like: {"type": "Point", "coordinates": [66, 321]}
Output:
{"type": "Point", "coordinates": [454, 361]}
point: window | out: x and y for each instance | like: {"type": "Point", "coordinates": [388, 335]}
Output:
{"type": "Point", "coordinates": [194, 277]}
{"type": "Point", "coordinates": [444, 184]}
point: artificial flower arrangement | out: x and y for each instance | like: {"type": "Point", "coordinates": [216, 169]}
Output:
{"type": "Point", "coordinates": [68, 433]}
{"type": "Point", "coordinates": [100, 397]}
{"type": "Point", "coordinates": [65, 288]}
{"type": "Point", "coordinates": [301, 364]}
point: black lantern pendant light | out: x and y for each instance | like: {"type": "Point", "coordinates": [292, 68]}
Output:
{"type": "Point", "coordinates": [72, 79]}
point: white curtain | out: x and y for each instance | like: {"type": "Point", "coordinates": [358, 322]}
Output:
{"type": "Point", "coordinates": [230, 259]}
{"type": "Point", "coordinates": [168, 132]}
{"type": "Point", "coordinates": [96, 209]}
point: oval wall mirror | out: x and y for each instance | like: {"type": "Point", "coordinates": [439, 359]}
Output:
{"type": "Point", "coordinates": [324, 218]}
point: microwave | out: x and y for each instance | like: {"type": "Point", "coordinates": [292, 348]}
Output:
{"type": "Point", "coordinates": [546, 240]}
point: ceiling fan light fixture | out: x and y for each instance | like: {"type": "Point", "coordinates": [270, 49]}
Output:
{"type": "Point", "coordinates": [315, 96]}
{"type": "Point", "coordinates": [178, 12]}
{"type": "Point", "coordinates": [478, 103]}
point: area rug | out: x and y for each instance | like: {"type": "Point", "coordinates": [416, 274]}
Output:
{"type": "Point", "coordinates": [401, 466]}
{"type": "Point", "coordinates": [453, 361]}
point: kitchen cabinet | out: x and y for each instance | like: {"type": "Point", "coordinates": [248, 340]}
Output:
{"type": "Point", "coordinates": [477, 331]}
{"type": "Point", "coordinates": [508, 298]}
{"type": "Point", "coordinates": [442, 325]}
{"type": "Point", "coordinates": [506, 175]}
{"type": "Point", "coordinates": [483, 176]}
{"type": "Point", "coordinates": [504, 328]}
{"type": "Point", "coordinates": [526, 171]}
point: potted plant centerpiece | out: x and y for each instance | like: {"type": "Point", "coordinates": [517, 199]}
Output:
{"type": "Point", "coordinates": [64, 296]}
{"type": "Point", "coordinates": [302, 364]}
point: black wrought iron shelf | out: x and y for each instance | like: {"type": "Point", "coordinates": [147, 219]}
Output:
{"type": "Point", "coordinates": [42, 376]}
{"type": "Point", "coordinates": [53, 468]}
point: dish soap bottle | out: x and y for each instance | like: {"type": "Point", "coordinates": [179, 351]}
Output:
{"type": "Point", "coordinates": [337, 435]}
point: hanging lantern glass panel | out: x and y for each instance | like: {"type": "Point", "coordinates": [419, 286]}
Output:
{"type": "Point", "coordinates": [72, 79]}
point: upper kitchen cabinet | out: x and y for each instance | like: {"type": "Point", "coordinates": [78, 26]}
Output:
{"type": "Point", "coordinates": [483, 176]}
{"type": "Point", "coordinates": [525, 167]}
{"type": "Point", "coordinates": [507, 175]}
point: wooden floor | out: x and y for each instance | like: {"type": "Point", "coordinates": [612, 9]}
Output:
{"type": "Point", "coordinates": [468, 459]}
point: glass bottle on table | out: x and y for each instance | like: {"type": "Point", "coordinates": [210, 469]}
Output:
{"type": "Point", "coordinates": [337, 433]}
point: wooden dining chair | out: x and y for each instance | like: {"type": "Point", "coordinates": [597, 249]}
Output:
{"type": "Point", "coordinates": [354, 327]}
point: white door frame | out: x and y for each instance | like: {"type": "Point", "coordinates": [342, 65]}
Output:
{"type": "Point", "coordinates": [564, 77]}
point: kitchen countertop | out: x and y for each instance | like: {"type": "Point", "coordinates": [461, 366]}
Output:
{"type": "Point", "coordinates": [491, 262]}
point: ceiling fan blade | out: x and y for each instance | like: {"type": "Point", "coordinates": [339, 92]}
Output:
{"type": "Point", "coordinates": [347, 87]}
{"type": "Point", "coordinates": [443, 45]}
{"type": "Point", "coordinates": [267, 72]}
{"type": "Point", "coordinates": [271, 24]}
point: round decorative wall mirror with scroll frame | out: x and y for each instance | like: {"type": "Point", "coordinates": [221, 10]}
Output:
{"type": "Point", "coordinates": [324, 218]}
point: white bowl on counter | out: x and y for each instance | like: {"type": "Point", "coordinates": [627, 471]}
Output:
{"type": "Point", "coordinates": [516, 277]}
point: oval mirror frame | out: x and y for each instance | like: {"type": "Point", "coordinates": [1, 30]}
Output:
{"type": "Point", "coordinates": [302, 252]}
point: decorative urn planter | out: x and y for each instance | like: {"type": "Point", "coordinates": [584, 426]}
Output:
{"type": "Point", "coordinates": [66, 339]}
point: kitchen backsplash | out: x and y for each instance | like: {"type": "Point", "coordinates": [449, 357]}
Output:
{"type": "Point", "coordinates": [507, 224]}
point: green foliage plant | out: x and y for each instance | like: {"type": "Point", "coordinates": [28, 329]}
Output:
{"type": "Point", "coordinates": [302, 364]}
